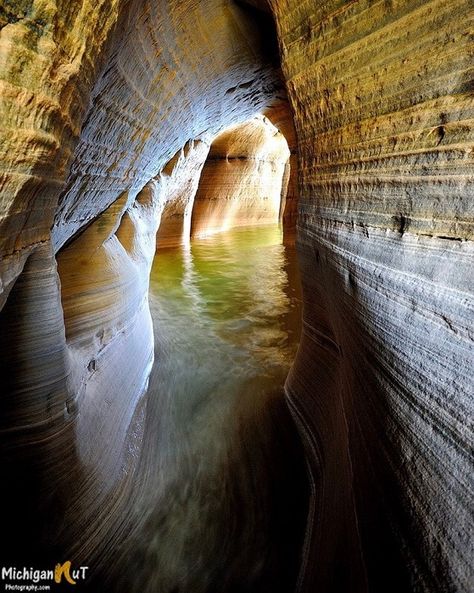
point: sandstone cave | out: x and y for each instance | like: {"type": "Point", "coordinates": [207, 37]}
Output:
{"type": "Point", "coordinates": [236, 295]}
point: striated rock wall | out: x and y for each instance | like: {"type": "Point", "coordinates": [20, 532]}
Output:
{"type": "Point", "coordinates": [382, 386]}
{"type": "Point", "coordinates": [381, 95]}
{"type": "Point", "coordinates": [50, 54]}
{"type": "Point", "coordinates": [281, 116]}
{"type": "Point", "coordinates": [289, 200]}
{"type": "Point", "coordinates": [99, 97]}
{"type": "Point", "coordinates": [179, 183]}
{"type": "Point", "coordinates": [241, 183]}
{"type": "Point", "coordinates": [183, 71]}
{"type": "Point", "coordinates": [104, 276]}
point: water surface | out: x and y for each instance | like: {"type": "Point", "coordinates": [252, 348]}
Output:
{"type": "Point", "coordinates": [223, 491]}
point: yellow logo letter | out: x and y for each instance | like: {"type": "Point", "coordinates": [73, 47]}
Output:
{"type": "Point", "coordinates": [59, 571]}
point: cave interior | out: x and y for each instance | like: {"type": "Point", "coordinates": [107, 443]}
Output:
{"type": "Point", "coordinates": [134, 128]}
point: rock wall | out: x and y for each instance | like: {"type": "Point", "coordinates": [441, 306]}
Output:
{"type": "Point", "coordinates": [382, 99]}
{"type": "Point", "coordinates": [241, 182]}
{"type": "Point", "coordinates": [183, 71]}
{"type": "Point", "coordinates": [104, 292]}
{"type": "Point", "coordinates": [96, 98]}
{"type": "Point", "coordinates": [51, 53]}
{"type": "Point", "coordinates": [179, 181]}
{"type": "Point", "coordinates": [281, 116]}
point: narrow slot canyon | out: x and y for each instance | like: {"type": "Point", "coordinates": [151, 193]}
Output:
{"type": "Point", "coordinates": [236, 296]}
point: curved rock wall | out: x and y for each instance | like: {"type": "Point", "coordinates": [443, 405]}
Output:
{"type": "Point", "coordinates": [179, 182]}
{"type": "Point", "coordinates": [382, 99]}
{"type": "Point", "coordinates": [50, 53]}
{"type": "Point", "coordinates": [104, 288]}
{"type": "Point", "coordinates": [183, 71]}
{"type": "Point", "coordinates": [241, 182]}
{"type": "Point", "coordinates": [175, 71]}
{"type": "Point", "coordinates": [281, 116]}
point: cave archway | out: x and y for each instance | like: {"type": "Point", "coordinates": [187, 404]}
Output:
{"type": "Point", "coordinates": [244, 179]}
{"type": "Point", "coordinates": [222, 356]}
{"type": "Point", "coordinates": [245, 176]}
{"type": "Point", "coordinates": [101, 183]}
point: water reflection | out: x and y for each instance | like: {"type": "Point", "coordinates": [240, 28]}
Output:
{"type": "Point", "coordinates": [222, 494]}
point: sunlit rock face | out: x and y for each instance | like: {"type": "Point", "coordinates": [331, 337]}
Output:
{"type": "Point", "coordinates": [382, 386]}
{"type": "Point", "coordinates": [50, 54]}
{"type": "Point", "coordinates": [183, 71]}
{"type": "Point", "coordinates": [97, 97]}
{"type": "Point", "coordinates": [279, 113]}
{"type": "Point", "coordinates": [243, 179]}
{"type": "Point", "coordinates": [104, 288]}
{"type": "Point", "coordinates": [179, 181]}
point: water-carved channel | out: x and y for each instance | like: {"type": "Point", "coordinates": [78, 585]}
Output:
{"type": "Point", "coordinates": [221, 466]}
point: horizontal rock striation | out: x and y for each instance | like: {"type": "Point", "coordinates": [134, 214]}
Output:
{"type": "Point", "coordinates": [50, 54]}
{"type": "Point", "coordinates": [183, 71]}
{"type": "Point", "coordinates": [281, 116]}
{"type": "Point", "coordinates": [382, 99]}
{"type": "Point", "coordinates": [242, 181]}
{"type": "Point", "coordinates": [102, 94]}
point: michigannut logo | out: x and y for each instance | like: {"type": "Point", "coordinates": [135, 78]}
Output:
{"type": "Point", "coordinates": [34, 579]}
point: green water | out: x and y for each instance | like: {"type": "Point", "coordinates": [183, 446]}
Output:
{"type": "Point", "coordinates": [222, 471]}
{"type": "Point", "coordinates": [234, 292]}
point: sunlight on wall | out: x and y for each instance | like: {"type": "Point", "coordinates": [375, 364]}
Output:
{"type": "Point", "coordinates": [241, 182]}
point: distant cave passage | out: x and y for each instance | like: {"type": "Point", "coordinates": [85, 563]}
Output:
{"type": "Point", "coordinates": [244, 179]}
{"type": "Point", "coordinates": [241, 180]}
{"type": "Point", "coordinates": [222, 471]}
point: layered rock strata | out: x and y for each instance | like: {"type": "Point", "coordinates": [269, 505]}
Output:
{"type": "Point", "coordinates": [243, 181]}
{"type": "Point", "coordinates": [179, 183]}
{"type": "Point", "coordinates": [51, 55]}
{"type": "Point", "coordinates": [182, 72]}
{"type": "Point", "coordinates": [280, 114]}
{"type": "Point", "coordinates": [77, 346]}
{"type": "Point", "coordinates": [382, 100]}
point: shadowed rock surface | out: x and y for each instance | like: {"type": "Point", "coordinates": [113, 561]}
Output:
{"type": "Point", "coordinates": [220, 493]}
